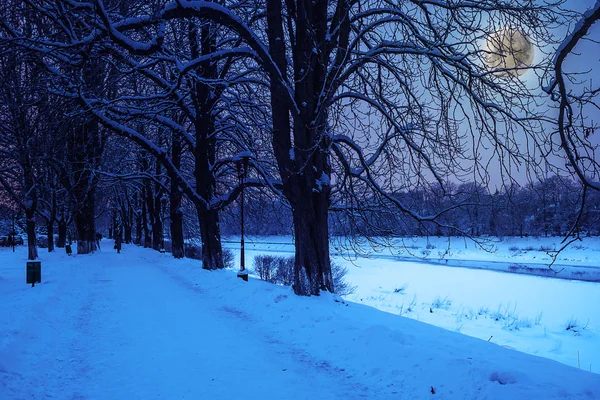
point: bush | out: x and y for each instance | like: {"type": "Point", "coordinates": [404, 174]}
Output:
{"type": "Point", "coordinates": [285, 271]}
{"type": "Point", "coordinates": [228, 258]}
{"type": "Point", "coordinates": [340, 285]}
{"type": "Point", "coordinates": [193, 251]}
{"type": "Point", "coordinates": [266, 267]}
{"type": "Point", "coordinates": [280, 270]}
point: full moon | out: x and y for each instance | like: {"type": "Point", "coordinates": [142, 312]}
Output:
{"type": "Point", "coordinates": [509, 51]}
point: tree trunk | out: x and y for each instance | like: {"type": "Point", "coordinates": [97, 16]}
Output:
{"type": "Point", "coordinates": [175, 211]}
{"type": "Point", "coordinates": [85, 225]}
{"type": "Point", "coordinates": [145, 201]}
{"type": "Point", "coordinates": [157, 226]}
{"type": "Point", "coordinates": [177, 240]}
{"type": "Point", "coordinates": [310, 211]}
{"type": "Point", "coordinates": [138, 223]}
{"type": "Point", "coordinates": [85, 153]}
{"type": "Point", "coordinates": [31, 237]}
{"type": "Point", "coordinates": [129, 223]}
{"type": "Point", "coordinates": [210, 234]}
{"type": "Point", "coordinates": [50, 228]}
{"type": "Point", "coordinates": [127, 230]}
{"type": "Point", "coordinates": [62, 233]}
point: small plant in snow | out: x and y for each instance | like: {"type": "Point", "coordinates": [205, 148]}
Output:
{"type": "Point", "coordinates": [545, 248]}
{"type": "Point", "coordinates": [470, 314]}
{"type": "Point", "coordinates": [412, 304]}
{"type": "Point", "coordinates": [401, 289]}
{"type": "Point", "coordinates": [513, 248]}
{"type": "Point", "coordinates": [538, 319]}
{"type": "Point", "coordinates": [440, 303]}
{"type": "Point", "coordinates": [504, 313]}
{"type": "Point", "coordinates": [573, 325]}
{"type": "Point", "coordinates": [514, 323]}
{"type": "Point", "coordinates": [483, 310]}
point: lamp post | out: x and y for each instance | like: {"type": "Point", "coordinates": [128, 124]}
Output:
{"type": "Point", "coordinates": [163, 201]}
{"type": "Point", "coordinates": [242, 169]}
{"type": "Point", "coordinates": [13, 231]}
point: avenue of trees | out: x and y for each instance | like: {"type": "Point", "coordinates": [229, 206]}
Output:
{"type": "Point", "coordinates": [367, 118]}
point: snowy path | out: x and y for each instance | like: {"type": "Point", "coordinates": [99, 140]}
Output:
{"type": "Point", "coordinates": [141, 325]}
{"type": "Point", "coordinates": [140, 332]}
{"type": "Point", "coordinates": [192, 349]}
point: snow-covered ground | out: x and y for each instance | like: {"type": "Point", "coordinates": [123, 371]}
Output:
{"type": "Point", "coordinates": [527, 313]}
{"type": "Point", "coordinates": [141, 325]}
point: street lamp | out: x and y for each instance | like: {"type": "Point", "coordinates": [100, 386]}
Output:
{"type": "Point", "coordinates": [242, 169]}
{"type": "Point", "coordinates": [13, 232]}
{"type": "Point", "coordinates": [163, 201]}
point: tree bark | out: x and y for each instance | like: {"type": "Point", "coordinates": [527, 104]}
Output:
{"type": "Point", "coordinates": [138, 219]}
{"type": "Point", "coordinates": [212, 253]}
{"type": "Point", "coordinates": [175, 211]}
{"type": "Point", "coordinates": [32, 253]}
{"type": "Point", "coordinates": [156, 217]}
{"type": "Point", "coordinates": [85, 225]}
{"type": "Point", "coordinates": [306, 174]}
{"type": "Point", "coordinates": [62, 233]}
{"type": "Point", "coordinates": [146, 201]}
{"type": "Point", "coordinates": [127, 226]}
{"type": "Point", "coordinates": [310, 211]}
{"type": "Point", "coordinates": [50, 228]}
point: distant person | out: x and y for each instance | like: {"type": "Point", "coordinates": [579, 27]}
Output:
{"type": "Point", "coordinates": [98, 238]}
{"type": "Point", "coordinates": [118, 242]}
{"type": "Point", "coordinates": [68, 248]}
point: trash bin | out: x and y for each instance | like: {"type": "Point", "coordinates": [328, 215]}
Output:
{"type": "Point", "coordinates": [34, 272]}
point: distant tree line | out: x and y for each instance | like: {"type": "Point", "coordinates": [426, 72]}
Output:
{"type": "Point", "coordinates": [549, 207]}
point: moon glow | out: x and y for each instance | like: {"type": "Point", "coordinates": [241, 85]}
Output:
{"type": "Point", "coordinates": [509, 51]}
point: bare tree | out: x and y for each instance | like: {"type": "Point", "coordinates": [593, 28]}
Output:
{"type": "Point", "coordinates": [578, 98]}
{"type": "Point", "coordinates": [22, 109]}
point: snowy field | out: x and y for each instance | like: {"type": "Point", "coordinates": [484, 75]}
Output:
{"type": "Point", "coordinates": [141, 325]}
{"type": "Point", "coordinates": [526, 313]}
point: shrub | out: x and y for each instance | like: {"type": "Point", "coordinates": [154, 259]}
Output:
{"type": "Point", "coordinates": [280, 270]}
{"type": "Point", "coordinates": [340, 285]}
{"type": "Point", "coordinates": [228, 258]}
{"type": "Point", "coordinates": [193, 251]}
{"type": "Point", "coordinates": [266, 267]}
{"type": "Point", "coordinates": [285, 271]}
